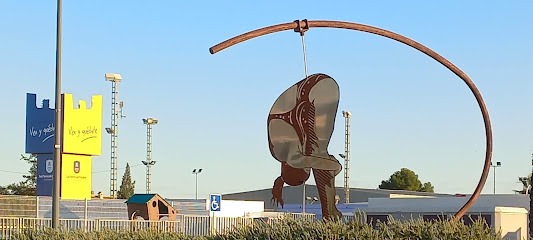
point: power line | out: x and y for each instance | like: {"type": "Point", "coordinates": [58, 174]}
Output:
{"type": "Point", "coordinates": [6, 171]}
{"type": "Point", "coordinates": [131, 166]}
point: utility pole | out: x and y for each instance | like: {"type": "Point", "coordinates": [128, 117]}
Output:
{"type": "Point", "coordinates": [58, 123]}
{"type": "Point", "coordinates": [149, 162]}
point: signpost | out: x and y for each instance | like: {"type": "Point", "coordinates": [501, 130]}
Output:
{"type": "Point", "coordinates": [214, 206]}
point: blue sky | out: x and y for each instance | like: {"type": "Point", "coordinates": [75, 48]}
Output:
{"type": "Point", "coordinates": [407, 110]}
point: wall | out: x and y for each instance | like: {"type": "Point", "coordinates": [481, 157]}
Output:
{"type": "Point", "coordinates": [448, 204]}
{"type": "Point", "coordinates": [512, 222]}
{"type": "Point", "coordinates": [234, 208]}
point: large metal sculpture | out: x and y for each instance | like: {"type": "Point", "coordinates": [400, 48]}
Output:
{"type": "Point", "coordinates": [301, 26]}
{"type": "Point", "coordinates": [300, 125]}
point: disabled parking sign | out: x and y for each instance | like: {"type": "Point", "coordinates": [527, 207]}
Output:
{"type": "Point", "coordinates": [214, 202]}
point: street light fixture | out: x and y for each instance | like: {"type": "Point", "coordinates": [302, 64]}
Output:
{"type": "Point", "coordinates": [149, 162]}
{"type": "Point", "coordinates": [150, 121]}
{"type": "Point", "coordinates": [196, 172]}
{"type": "Point", "coordinates": [113, 77]}
{"type": "Point", "coordinates": [498, 164]}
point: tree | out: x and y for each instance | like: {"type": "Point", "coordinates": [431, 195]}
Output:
{"type": "Point", "coordinates": [4, 191]}
{"type": "Point", "coordinates": [127, 188]}
{"type": "Point", "coordinates": [406, 179]}
{"type": "Point", "coordinates": [427, 187]}
{"type": "Point", "coordinates": [526, 184]}
{"type": "Point", "coordinates": [29, 185]}
{"type": "Point", "coordinates": [31, 179]}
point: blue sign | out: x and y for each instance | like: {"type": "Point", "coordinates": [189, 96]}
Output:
{"type": "Point", "coordinates": [215, 202]}
{"type": "Point", "coordinates": [40, 128]}
{"type": "Point", "coordinates": [45, 174]}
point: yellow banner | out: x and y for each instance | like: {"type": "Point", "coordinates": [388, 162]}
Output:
{"type": "Point", "coordinates": [82, 127]}
{"type": "Point", "coordinates": [76, 171]}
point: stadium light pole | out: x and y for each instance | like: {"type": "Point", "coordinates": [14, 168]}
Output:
{"type": "Point", "coordinates": [346, 155]}
{"type": "Point", "coordinates": [196, 172]}
{"type": "Point", "coordinates": [115, 79]}
{"type": "Point", "coordinates": [149, 162]}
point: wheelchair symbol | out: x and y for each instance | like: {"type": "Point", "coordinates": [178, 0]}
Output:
{"type": "Point", "coordinates": [215, 205]}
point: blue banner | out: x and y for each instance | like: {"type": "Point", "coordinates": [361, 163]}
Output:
{"type": "Point", "coordinates": [39, 126]}
{"type": "Point", "coordinates": [45, 174]}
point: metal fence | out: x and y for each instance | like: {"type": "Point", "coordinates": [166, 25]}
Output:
{"type": "Point", "coordinates": [187, 224]}
{"type": "Point", "coordinates": [19, 213]}
{"type": "Point", "coordinates": [41, 207]}
{"type": "Point", "coordinates": [18, 206]}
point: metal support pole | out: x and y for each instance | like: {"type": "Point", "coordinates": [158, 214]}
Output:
{"type": "Point", "coordinates": [115, 79]}
{"type": "Point", "coordinates": [196, 172]}
{"type": "Point", "coordinates": [196, 192]}
{"type": "Point", "coordinates": [498, 164]}
{"type": "Point", "coordinates": [494, 184]}
{"type": "Point", "coordinates": [148, 178]}
{"type": "Point", "coordinates": [303, 199]}
{"type": "Point", "coordinates": [149, 162]}
{"type": "Point", "coordinates": [85, 215]}
{"type": "Point", "coordinates": [37, 207]}
{"type": "Point", "coordinates": [347, 115]}
{"type": "Point", "coordinates": [58, 124]}
{"type": "Point", "coordinates": [148, 155]}
{"type": "Point", "coordinates": [114, 138]}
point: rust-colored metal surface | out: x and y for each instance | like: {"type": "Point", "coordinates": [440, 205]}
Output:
{"type": "Point", "coordinates": [308, 24]}
{"type": "Point", "coordinates": [300, 125]}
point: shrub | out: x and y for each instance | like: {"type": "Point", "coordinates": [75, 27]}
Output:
{"type": "Point", "coordinates": [359, 229]}
{"type": "Point", "coordinates": [298, 229]}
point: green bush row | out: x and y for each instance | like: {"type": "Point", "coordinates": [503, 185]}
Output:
{"type": "Point", "coordinates": [299, 229]}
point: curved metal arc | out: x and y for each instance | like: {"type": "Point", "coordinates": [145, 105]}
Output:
{"type": "Point", "coordinates": [252, 34]}
{"type": "Point", "coordinates": [397, 37]}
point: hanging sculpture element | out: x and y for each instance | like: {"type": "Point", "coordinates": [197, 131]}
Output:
{"type": "Point", "coordinates": [301, 26]}
{"type": "Point", "coordinates": [300, 125]}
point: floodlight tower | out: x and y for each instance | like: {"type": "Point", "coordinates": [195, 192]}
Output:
{"type": "Point", "coordinates": [149, 162]}
{"type": "Point", "coordinates": [115, 79]}
{"type": "Point", "coordinates": [346, 155]}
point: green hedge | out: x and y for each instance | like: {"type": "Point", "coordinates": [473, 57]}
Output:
{"type": "Point", "coordinates": [301, 229]}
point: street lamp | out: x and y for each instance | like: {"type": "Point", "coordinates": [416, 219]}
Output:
{"type": "Point", "coordinates": [498, 164]}
{"type": "Point", "coordinates": [115, 79]}
{"type": "Point", "coordinates": [149, 162]}
{"type": "Point", "coordinates": [196, 172]}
